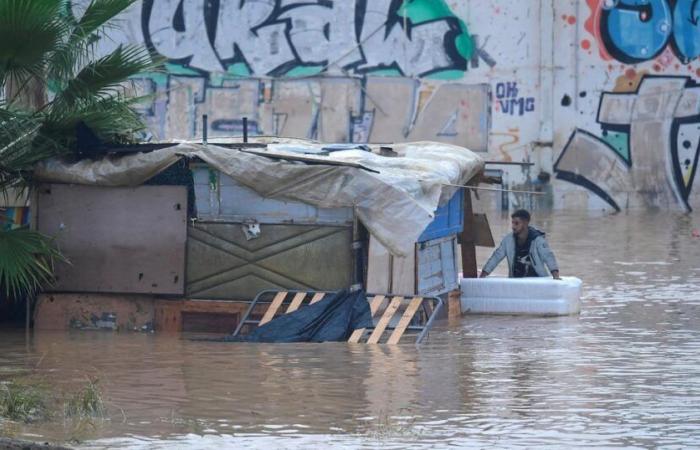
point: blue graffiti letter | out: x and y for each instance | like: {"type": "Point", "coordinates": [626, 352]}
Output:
{"type": "Point", "coordinates": [635, 30]}
{"type": "Point", "coordinates": [686, 30]}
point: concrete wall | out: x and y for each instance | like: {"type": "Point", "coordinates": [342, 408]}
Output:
{"type": "Point", "coordinates": [599, 94]}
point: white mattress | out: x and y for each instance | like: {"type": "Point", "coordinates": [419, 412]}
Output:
{"type": "Point", "coordinates": [536, 296]}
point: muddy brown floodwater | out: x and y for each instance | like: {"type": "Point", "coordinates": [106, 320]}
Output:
{"type": "Point", "coordinates": [625, 373]}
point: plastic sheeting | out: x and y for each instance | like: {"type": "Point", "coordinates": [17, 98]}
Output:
{"type": "Point", "coordinates": [332, 319]}
{"type": "Point", "coordinates": [395, 204]}
{"type": "Point", "coordinates": [536, 296]}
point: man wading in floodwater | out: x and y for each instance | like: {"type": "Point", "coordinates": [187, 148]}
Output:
{"type": "Point", "coordinates": [526, 249]}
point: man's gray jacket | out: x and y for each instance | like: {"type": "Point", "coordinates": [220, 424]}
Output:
{"type": "Point", "coordinates": [540, 254]}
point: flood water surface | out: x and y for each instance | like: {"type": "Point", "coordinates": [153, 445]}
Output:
{"type": "Point", "coordinates": [625, 373]}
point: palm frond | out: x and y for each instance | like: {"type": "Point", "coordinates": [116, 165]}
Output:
{"type": "Point", "coordinates": [78, 48]}
{"type": "Point", "coordinates": [29, 30]}
{"type": "Point", "coordinates": [22, 145]}
{"type": "Point", "coordinates": [97, 15]}
{"type": "Point", "coordinates": [113, 119]}
{"type": "Point", "coordinates": [104, 77]}
{"type": "Point", "coordinates": [27, 262]}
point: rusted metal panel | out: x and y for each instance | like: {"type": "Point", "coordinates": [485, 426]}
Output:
{"type": "Point", "coordinates": [86, 311]}
{"type": "Point", "coordinates": [209, 322]}
{"type": "Point", "coordinates": [223, 264]}
{"type": "Point", "coordinates": [126, 240]}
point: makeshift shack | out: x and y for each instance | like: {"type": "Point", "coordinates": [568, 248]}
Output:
{"type": "Point", "coordinates": [182, 236]}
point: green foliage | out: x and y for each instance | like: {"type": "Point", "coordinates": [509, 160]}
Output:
{"type": "Point", "coordinates": [31, 399]}
{"type": "Point", "coordinates": [87, 402]}
{"type": "Point", "coordinates": [29, 31]}
{"type": "Point", "coordinates": [26, 261]}
{"type": "Point", "coordinates": [21, 146]}
{"type": "Point", "coordinates": [22, 402]}
{"type": "Point", "coordinates": [41, 45]}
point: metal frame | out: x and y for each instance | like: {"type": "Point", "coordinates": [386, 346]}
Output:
{"type": "Point", "coordinates": [437, 304]}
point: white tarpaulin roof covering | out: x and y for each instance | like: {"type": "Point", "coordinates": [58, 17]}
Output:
{"type": "Point", "coordinates": [395, 204]}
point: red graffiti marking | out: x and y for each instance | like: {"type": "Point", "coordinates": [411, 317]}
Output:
{"type": "Point", "coordinates": [657, 67]}
{"type": "Point", "coordinates": [631, 74]}
{"type": "Point", "coordinates": [571, 20]}
{"type": "Point", "coordinates": [592, 25]}
{"type": "Point", "coordinates": [586, 44]}
{"type": "Point", "coordinates": [697, 72]}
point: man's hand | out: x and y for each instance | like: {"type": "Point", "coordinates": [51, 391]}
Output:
{"type": "Point", "coordinates": [484, 274]}
{"type": "Point", "coordinates": [555, 275]}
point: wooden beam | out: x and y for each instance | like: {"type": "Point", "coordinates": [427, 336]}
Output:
{"type": "Point", "coordinates": [373, 307]}
{"type": "Point", "coordinates": [468, 244]}
{"type": "Point", "coordinates": [317, 297]}
{"type": "Point", "coordinates": [405, 320]}
{"type": "Point", "coordinates": [384, 321]}
{"type": "Point", "coordinates": [296, 302]}
{"type": "Point", "coordinates": [274, 306]}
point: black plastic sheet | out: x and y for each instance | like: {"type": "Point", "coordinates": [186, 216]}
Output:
{"type": "Point", "coordinates": [332, 319]}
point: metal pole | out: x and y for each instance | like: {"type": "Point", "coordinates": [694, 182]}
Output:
{"type": "Point", "coordinates": [245, 130]}
{"type": "Point", "coordinates": [475, 188]}
{"type": "Point", "coordinates": [205, 128]}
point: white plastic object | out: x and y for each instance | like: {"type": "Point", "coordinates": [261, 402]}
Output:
{"type": "Point", "coordinates": [530, 296]}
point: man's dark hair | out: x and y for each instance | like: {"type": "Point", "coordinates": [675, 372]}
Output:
{"type": "Point", "coordinates": [521, 214]}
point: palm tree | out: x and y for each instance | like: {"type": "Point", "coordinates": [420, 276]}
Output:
{"type": "Point", "coordinates": [53, 83]}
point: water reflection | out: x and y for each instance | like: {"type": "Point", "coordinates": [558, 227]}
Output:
{"type": "Point", "coordinates": [624, 373]}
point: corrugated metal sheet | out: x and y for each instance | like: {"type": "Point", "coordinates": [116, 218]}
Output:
{"type": "Point", "coordinates": [126, 240]}
{"type": "Point", "coordinates": [222, 264]}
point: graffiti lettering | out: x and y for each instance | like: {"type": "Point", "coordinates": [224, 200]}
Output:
{"type": "Point", "coordinates": [663, 131]}
{"type": "Point", "coordinates": [262, 60]}
{"type": "Point", "coordinates": [634, 31]}
{"type": "Point", "coordinates": [328, 109]}
{"type": "Point", "coordinates": [178, 30]}
{"type": "Point", "coordinates": [510, 103]}
{"type": "Point", "coordinates": [277, 37]}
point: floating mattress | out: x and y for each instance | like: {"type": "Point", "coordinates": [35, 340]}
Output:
{"type": "Point", "coordinates": [535, 296]}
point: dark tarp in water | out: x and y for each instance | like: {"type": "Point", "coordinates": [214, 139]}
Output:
{"type": "Point", "coordinates": [332, 319]}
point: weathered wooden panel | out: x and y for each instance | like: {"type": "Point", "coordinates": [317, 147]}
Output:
{"type": "Point", "coordinates": [209, 322]}
{"type": "Point", "coordinates": [126, 240]}
{"type": "Point", "coordinates": [437, 266]}
{"type": "Point", "coordinates": [84, 311]}
{"type": "Point", "coordinates": [223, 264]}
{"type": "Point", "coordinates": [220, 197]}
{"type": "Point", "coordinates": [482, 231]}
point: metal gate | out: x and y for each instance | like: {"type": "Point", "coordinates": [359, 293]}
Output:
{"type": "Point", "coordinates": [223, 264]}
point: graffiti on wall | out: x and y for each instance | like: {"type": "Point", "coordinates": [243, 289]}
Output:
{"type": "Point", "coordinates": [633, 31]}
{"type": "Point", "coordinates": [350, 71]}
{"type": "Point", "coordinates": [372, 109]}
{"type": "Point", "coordinates": [276, 37]}
{"type": "Point", "coordinates": [648, 152]}
{"type": "Point", "coordinates": [509, 100]}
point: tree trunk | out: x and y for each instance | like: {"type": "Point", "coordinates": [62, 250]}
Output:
{"type": "Point", "coordinates": [28, 94]}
